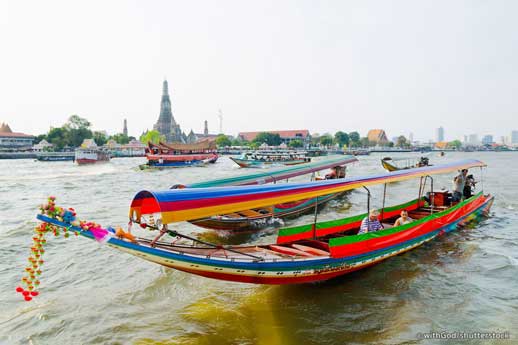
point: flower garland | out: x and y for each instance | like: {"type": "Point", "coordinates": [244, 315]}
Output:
{"type": "Point", "coordinates": [68, 217]}
{"type": "Point", "coordinates": [35, 260]}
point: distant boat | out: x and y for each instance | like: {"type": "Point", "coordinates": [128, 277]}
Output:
{"type": "Point", "coordinates": [55, 156]}
{"type": "Point", "coordinates": [91, 156]}
{"type": "Point", "coordinates": [263, 159]}
{"type": "Point", "coordinates": [176, 155]}
{"type": "Point", "coordinates": [391, 164]}
{"type": "Point", "coordinates": [262, 217]}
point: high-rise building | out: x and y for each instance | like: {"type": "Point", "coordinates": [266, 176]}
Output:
{"type": "Point", "coordinates": [205, 128]}
{"type": "Point", "coordinates": [439, 134]}
{"type": "Point", "coordinates": [514, 137]}
{"type": "Point", "coordinates": [166, 124]}
{"type": "Point", "coordinates": [487, 139]}
{"type": "Point", "coordinates": [125, 129]}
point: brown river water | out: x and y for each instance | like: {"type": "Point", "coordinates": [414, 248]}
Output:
{"type": "Point", "coordinates": [92, 294]}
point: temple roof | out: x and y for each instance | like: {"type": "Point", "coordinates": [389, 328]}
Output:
{"type": "Point", "coordinates": [6, 132]}
{"type": "Point", "coordinates": [4, 128]}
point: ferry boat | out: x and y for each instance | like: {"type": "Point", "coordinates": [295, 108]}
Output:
{"type": "Point", "coordinates": [177, 155]}
{"type": "Point", "coordinates": [90, 153]}
{"type": "Point", "coordinates": [263, 159]}
{"type": "Point", "coordinates": [90, 156]}
{"type": "Point", "coordinates": [55, 156]}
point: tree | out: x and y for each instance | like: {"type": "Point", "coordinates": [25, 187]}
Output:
{"type": "Point", "coordinates": [100, 138]}
{"type": "Point", "coordinates": [120, 138]}
{"type": "Point", "coordinates": [269, 138]}
{"type": "Point", "coordinates": [341, 138]}
{"type": "Point", "coordinates": [354, 138]}
{"type": "Point", "coordinates": [238, 142]}
{"type": "Point", "coordinates": [364, 142]}
{"type": "Point", "coordinates": [223, 141]}
{"type": "Point", "coordinates": [401, 141]}
{"type": "Point", "coordinates": [77, 122]}
{"type": "Point", "coordinates": [296, 143]}
{"type": "Point", "coordinates": [57, 137]}
{"type": "Point", "coordinates": [326, 140]}
{"type": "Point", "coordinates": [39, 138]}
{"type": "Point", "coordinates": [152, 136]}
{"type": "Point", "coordinates": [456, 144]}
{"type": "Point", "coordinates": [76, 136]}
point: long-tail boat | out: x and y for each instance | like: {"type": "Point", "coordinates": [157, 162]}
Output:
{"type": "Point", "coordinates": [273, 215]}
{"type": "Point", "coordinates": [264, 159]}
{"type": "Point", "coordinates": [308, 253]}
{"type": "Point", "coordinates": [394, 164]}
{"type": "Point", "coordinates": [176, 155]}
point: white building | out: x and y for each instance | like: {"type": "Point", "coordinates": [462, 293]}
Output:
{"type": "Point", "coordinates": [12, 140]}
{"type": "Point", "coordinates": [473, 139]}
{"type": "Point", "coordinates": [41, 146]}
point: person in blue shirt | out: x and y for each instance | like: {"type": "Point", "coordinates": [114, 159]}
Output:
{"type": "Point", "coordinates": [370, 223]}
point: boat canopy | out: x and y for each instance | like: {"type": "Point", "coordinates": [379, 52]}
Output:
{"type": "Point", "coordinates": [175, 205]}
{"type": "Point", "coordinates": [201, 145]}
{"type": "Point", "coordinates": [273, 175]}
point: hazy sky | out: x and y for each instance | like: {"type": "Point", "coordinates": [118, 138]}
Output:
{"type": "Point", "coordinates": [405, 66]}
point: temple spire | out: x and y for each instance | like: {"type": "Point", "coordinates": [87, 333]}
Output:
{"type": "Point", "coordinates": [166, 124]}
{"type": "Point", "coordinates": [165, 89]}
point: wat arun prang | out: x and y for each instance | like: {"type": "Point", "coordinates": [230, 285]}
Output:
{"type": "Point", "coordinates": [166, 124]}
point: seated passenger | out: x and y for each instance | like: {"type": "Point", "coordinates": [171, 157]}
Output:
{"type": "Point", "coordinates": [370, 223]}
{"type": "Point", "coordinates": [332, 174]}
{"type": "Point", "coordinates": [404, 219]}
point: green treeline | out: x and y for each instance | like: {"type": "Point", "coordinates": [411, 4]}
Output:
{"type": "Point", "coordinates": [74, 131]}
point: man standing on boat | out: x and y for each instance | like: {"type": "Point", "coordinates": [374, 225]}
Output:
{"type": "Point", "coordinates": [370, 223]}
{"type": "Point", "coordinates": [459, 182]}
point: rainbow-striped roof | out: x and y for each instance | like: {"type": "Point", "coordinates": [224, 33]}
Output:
{"type": "Point", "coordinates": [279, 174]}
{"type": "Point", "coordinates": [177, 205]}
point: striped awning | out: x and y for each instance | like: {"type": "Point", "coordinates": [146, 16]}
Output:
{"type": "Point", "coordinates": [187, 204]}
{"type": "Point", "coordinates": [272, 175]}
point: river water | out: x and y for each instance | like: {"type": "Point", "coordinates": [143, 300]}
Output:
{"type": "Point", "coordinates": [92, 294]}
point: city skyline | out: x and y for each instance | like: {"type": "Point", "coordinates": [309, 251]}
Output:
{"type": "Point", "coordinates": [349, 66]}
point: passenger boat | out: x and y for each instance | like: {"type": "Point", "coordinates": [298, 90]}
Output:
{"type": "Point", "coordinates": [177, 155]}
{"type": "Point", "coordinates": [264, 159]}
{"type": "Point", "coordinates": [273, 216]}
{"type": "Point", "coordinates": [391, 164]}
{"type": "Point", "coordinates": [55, 156]}
{"type": "Point", "coordinates": [91, 156]}
{"type": "Point", "coordinates": [90, 153]}
{"type": "Point", "coordinates": [307, 253]}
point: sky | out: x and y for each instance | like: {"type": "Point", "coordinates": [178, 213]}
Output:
{"type": "Point", "coordinates": [404, 66]}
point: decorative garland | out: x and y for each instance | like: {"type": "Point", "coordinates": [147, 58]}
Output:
{"type": "Point", "coordinates": [34, 268]}
{"type": "Point", "coordinates": [67, 216]}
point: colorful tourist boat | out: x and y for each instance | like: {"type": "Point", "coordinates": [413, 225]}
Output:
{"type": "Point", "coordinates": [394, 164]}
{"type": "Point", "coordinates": [176, 155]}
{"type": "Point", "coordinates": [274, 215]}
{"type": "Point", "coordinates": [307, 253]}
{"type": "Point", "coordinates": [264, 159]}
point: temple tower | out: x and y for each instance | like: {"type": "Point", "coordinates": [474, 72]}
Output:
{"type": "Point", "coordinates": [166, 124]}
{"type": "Point", "coordinates": [125, 129]}
{"type": "Point", "coordinates": [205, 128]}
